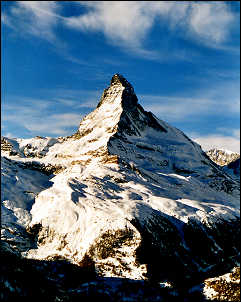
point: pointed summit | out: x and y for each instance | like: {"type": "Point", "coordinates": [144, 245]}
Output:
{"type": "Point", "coordinates": [119, 90]}
{"type": "Point", "coordinates": [119, 112]}
{"type": "Point", "coordinates": [118, 79]}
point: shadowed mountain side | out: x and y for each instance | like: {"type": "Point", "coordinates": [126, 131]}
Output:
{"type": "Point", "coordinates": [185, 253]}
{"type": "Point", "coordinates": [27, 279]}
{"type": "Point", "coordinates": [20, 184]}
{"type": "Point", "coordinates": [233, 169]}
{"type": "Point", "coordinates": [28, 178]}
{"type": "Point", "coordinates": [58, 280]}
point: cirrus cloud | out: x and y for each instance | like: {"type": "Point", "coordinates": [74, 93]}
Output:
{"type": "Point", "coordinates": [125, 23]}
{"type": "Point", "coordinates": [36, 117]}
{"type": "Point", "coordinates": [37, 18]}
{"type": "Point", "coordinates": [208, 142]}
{"type": "Point", "coordinates": [129, 22]}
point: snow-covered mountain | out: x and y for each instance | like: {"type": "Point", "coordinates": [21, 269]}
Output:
{"type": "Point", "coordinates": [233, 169]}
{"type": "Point", "coordinates": [128, 191]}
{"type": "Point", "coordinates": [222, 157]}
{"type": "Point", "coordinates": [230, 161]}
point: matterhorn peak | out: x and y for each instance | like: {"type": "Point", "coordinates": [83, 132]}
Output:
{"type": "Point", "coordinates": [120, 92]}
{"type": "Point", "coordinates": [118, 79]}
{"type": "Point", "coordinates": [127, 196]}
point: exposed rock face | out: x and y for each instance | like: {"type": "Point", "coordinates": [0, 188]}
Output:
{"type": "Point", "coordinates": [133, 194]}
{"type": "Point", "coordinates": [6, 146]}
{"type": "Point", "coordinates": [222, 157]}
{"type": "Point", "coordinates": [224, 288]}
{"type": "Point", "coordinates": [119, 86]}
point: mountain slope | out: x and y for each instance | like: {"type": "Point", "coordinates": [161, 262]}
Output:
{"type": "Point", "coordinates": [233, 169]}
{"type": "Point", "coordinates": [134, 194]}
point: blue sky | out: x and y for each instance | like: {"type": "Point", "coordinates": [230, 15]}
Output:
{"type": "Point", "coordinates": [183, 59]}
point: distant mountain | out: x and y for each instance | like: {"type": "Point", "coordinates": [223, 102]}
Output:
{"type": "Point", "coordinates": [230, 161]}
{"type": "Point", "coordinates": [222, 157]}
{"type": "Point", "coordinates": [127, 196]}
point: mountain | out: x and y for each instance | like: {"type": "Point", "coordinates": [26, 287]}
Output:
{"type": "Point", "coordinates": [233, 169]}
{"type": "Point", "coordinates": [230, 161]}
{"type": "Point", "coordinates": [222, 157]}
{"type": "Point", "coordinates": [127, 194]}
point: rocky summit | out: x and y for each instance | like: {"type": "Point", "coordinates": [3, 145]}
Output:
{"type": "Point", "coordinates": [222, 157]}
{"type": "Point", "coordinates": [126, 208]}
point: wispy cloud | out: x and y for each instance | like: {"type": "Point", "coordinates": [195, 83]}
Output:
{"type": "Point", "coordinates": [224, 138]}
{"type": "Point", "coordinates": [218, 96]}
{"type": "Point", "coordinates": [125, 23]}
{"type": "Point", "coordinates": [174, 108]}
{"type": "Point", "coordinates": [89, 103]}
{"type": "Point", "coordinates": [227, 132]}
{"type": "Point", "coordinates": [210, 21]}
{"type": "Point", "coordinates": [128, 22]}
{"type": "Point", "coordinates": [55, 124]}
{"type": "Point", "coordinates": [75, 98]}
{"type": "Point", "coordinates": [58, 113]}
{"type": "Point", "coordinates": [37, 18]}
{"type": "Point", "coordinates": [38, 119]}
{"type": "Point", "coordinates": [208, 142]}
{"type": "Point", "coordinates": [236, 133]}
{"type": "Point", "coordinates": [179, 108]}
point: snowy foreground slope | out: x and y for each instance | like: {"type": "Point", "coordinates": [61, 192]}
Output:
{"type": "Point", "coordinates": [131, 193]}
